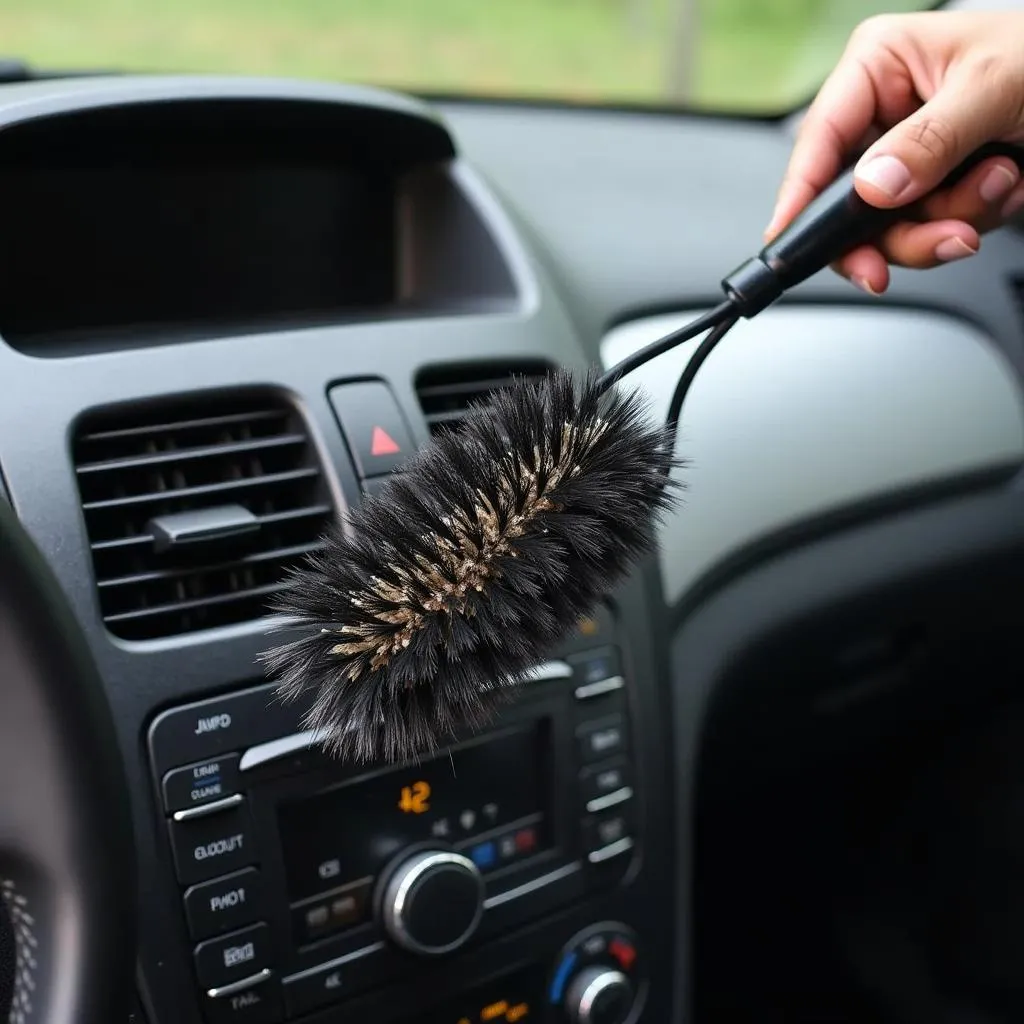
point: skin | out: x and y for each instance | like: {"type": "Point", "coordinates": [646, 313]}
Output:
{"type": "Point", "coordinates": [926, 90]}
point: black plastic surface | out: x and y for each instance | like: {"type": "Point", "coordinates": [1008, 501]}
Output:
{"type": "Point", "coordinates": [805, 673]}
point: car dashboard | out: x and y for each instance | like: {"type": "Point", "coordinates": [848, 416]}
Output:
{"type": "Point", "coordinates": [230, 308]}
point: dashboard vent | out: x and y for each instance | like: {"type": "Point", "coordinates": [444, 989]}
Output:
{"type": "Point", "coordinates": [446, 393]}
{"type": "Point", "coordinates": [195, 510]}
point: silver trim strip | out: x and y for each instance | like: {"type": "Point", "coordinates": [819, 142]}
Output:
{"type": "Point", "coordinates": [283, 746]}
{"type": "Point", "coordinates": [550, 670]}
{"type": "Point", "coordinates": [527, 887]}
{"type": "Point", "coordinates": [241, 985]}
{"type": "Point", "coordinates": [619, 796]}
{"type": "Point", "coordinates": [273, 749]}
{"type": "Point", "coordinates": [331, 964]}
{"type": "Point", "coordinates": [601, 686]}
{"type": "Point", "coordinates": [211, 808]}
{"type": "Point", "coordinates": [609, 851]}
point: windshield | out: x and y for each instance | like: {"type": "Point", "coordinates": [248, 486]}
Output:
{"type": "Point", "coordinates": [750, 56]}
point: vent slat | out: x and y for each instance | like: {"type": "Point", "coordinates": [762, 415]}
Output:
{"type": "Point", "coordinates": [193, 605]}
{"type": "Point", "coordinates": [295, 551]}
{"type": "Point", "coordinates": [470, 389]}
{"type": "Point", "coordinates": [206, 422]}
{"type": "Point", "coordinates": [185, 457]}
{"type": "Point", "coordinates": [452, 416]}
{"type": "Point", "coordinates": [144, 539]}
{"type": "Point", "coordinates": [200, 492]}
{"type": "Point", "coordinates": [446, 395]}
{"type": "Point", "coordinates": [189, 454]}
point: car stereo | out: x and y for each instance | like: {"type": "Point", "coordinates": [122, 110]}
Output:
{"type": "Point", "coordinates": [305, 882]}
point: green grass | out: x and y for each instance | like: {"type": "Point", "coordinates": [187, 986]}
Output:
{"type": "Point", "coordinates": [753, 55]}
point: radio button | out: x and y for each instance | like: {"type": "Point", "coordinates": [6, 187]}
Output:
{"type": "Point", "coordinates": [604, 780]}
{"type": "Point", "coordinates": [201, 783]}
{"type": "Point", "coordinates": [321, 986]}
{"type": "Point", "coordinates": [214, 845]}
{"type": "Point", "coordinates": [332, 912]}
{"type": "Point", "coordinates": [230, 958]}
{"type": "Point", "coordinates": [607, 835]}
{"type": "Point", "coordinates": [224, 903]}
{"type": "Point", "coordinates": [259, 1003]}
{"type": "Point", "coordinates": [218, 726]}
{"type": "Point", "coordinates": [433, 902]}
{"type": "Point", "coordinates": [602, 739]}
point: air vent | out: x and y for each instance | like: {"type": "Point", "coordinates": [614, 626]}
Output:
{"type": "Point", "coordinates": [194, 511]}
{"type": "Point", "coordinates": [446, 393]}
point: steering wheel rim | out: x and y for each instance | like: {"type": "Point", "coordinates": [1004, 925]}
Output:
{"type": "Point", "coordinates": [67, 856]}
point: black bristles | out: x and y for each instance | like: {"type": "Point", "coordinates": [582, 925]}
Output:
{"type": "Point", "coordinates": [489, 546]}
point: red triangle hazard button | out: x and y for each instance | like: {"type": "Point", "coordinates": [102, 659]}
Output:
{"type": "Point", "coordinates": [382, 443]}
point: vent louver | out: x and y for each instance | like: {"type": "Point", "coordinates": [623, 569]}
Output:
{"type": "Point", "coordinates": [445, 394]}
{"type": "Point", "coordinates": [195, 510]}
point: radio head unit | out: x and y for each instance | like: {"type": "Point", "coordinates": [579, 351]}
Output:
{"type": "Point", "coordinates": [304, 882]}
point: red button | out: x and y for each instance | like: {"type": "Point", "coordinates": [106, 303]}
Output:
{"type": "Point", "coordinates": [526, 839]}
{"type": "Point", "coordinates": [382, 443]}
{"type": "Point", "coordinates": [623, 953]}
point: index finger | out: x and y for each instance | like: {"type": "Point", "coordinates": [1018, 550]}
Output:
{"type": "Point", "coordinates": [839, 118]}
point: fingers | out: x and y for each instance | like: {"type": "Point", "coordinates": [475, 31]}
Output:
{"type": "Point", "coordinates": [912, 158]}
{"type": "Point", "coordinates": [947, 227]}
{"type": "Point", "coordinates": [838, 119]}
{"type": "Point", "coordinates": [865, 267]}
{"type": "Point", "coordinates": [979, 199]}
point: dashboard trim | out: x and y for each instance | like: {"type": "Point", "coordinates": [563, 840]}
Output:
{"type": "Point", "coordinates": [896, 398]}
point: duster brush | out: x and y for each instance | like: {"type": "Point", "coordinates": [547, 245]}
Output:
{"type": "Point", "coordinates": [489, 544]}
{"type": "Point", "coordinates": [419, 616]}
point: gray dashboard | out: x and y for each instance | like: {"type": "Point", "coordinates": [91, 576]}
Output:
{"type": "Point", "coordinates": [529, 236]}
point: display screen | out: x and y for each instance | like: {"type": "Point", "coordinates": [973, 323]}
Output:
{"type": "Point", "coordinates": [350, 833]}
{"type": "Point", "coordinates": [189, 247]}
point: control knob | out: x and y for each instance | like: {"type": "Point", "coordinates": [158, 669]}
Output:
{"type": "Point", "coordinates": [433, 901]}
{"type": "Point", "coordinates": [599, 995]}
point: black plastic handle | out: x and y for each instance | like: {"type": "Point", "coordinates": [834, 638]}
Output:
{"type": "Point", "coordinates": [833, 224]}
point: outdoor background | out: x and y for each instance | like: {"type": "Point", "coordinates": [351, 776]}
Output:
{"type": "Point", "coordinates": [747, 55]}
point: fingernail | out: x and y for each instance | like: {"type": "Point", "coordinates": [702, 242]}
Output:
{"type": "Point", "coordinates": [864, 285]}
{"type": "Point", "coordinates": [1013, 206]}
{"type": "Point", "coordinates": [950, 249]}
{"type": "Point", "coordinates": [886, 173]}
{"type": "Point", "coordinates": [997, 183]}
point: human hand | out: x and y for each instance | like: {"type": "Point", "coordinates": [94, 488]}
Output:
{"type": "Point", "coordinates": [922, 91]}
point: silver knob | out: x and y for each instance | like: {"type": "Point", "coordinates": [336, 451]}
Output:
{"type": "Point", "coordinates": [599, 995]}
{"type": "Point", "coordinates": [433, 902]}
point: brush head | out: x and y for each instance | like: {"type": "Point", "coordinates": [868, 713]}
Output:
{"type": "Point", "coordinates": [445, 588]}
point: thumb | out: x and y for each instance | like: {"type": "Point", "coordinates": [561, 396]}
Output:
{"type": "Point", "coordinates": [913, 157]}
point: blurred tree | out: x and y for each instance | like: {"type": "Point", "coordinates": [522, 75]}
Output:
{"type": "Point", "coordinates": [682, 51]}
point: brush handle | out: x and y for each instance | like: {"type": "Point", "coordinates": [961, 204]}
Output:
{"type": "Point", "coordinates": [833, 224]}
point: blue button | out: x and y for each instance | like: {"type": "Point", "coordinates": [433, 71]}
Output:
{"type": "Point", "coordinates": [484, 855]}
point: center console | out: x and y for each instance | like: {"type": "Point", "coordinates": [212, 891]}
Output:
{"type": "Point", "coordinates": [305, 883]}
{"type": "Point", "coordinates": [242, 304]}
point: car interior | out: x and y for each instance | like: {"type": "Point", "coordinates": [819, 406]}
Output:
{"type": "Point", "coordinates": [774, 777]}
